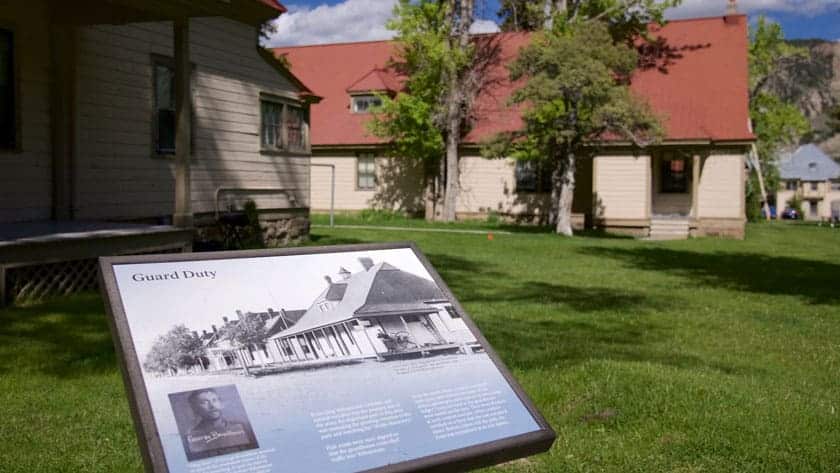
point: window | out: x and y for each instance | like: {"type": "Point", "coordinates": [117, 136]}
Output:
{"type": "Point", "coordinates": [532, 177]}
{"type": "Point", "coordinates": [365, 172]}
{"type": "Point", "coordinates": [164, 108]}
{"type": "Point", "coordinates": [365, 103]}
{"type": "Point", "coordinates": [164, 95]}
{"type": "Point", "coordinates": [835, 185]}
{"type": "Point", "coordinates": [790, 185]}
{"type": "Point", "coordinates": [452, 312]}
{"type": "Point", "coordinates": [814, 186]}
{"type": "Point", "coordinates": [283, 126]}
{"type": "Point", "coordinates": [8, 92]}
{"type": "Point", "coordinates": [674, 176]}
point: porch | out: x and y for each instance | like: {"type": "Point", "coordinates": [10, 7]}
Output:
{"type": "Point", "coordinates": [43, 259]}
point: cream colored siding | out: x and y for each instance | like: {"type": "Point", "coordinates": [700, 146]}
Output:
{"type": "Point", "coordinates": [26, 175]}
{"type": "Point", "coordinates": [117, 173]}
{"type": "Point", "coordinates": [487, 185]}
{"type": "Point", "coordinates": [721, 187]}
{"type": "Point", "coordinates": [347, 197]}
{"type": "Point", "coordinates": [399, 186]}
{"type": "Point", "coordinates": [621, 186]}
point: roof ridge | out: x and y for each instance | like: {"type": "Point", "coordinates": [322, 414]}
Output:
{"type": "Point", "coordinates": [340, 43]}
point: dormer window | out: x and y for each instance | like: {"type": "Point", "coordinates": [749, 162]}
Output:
{"type": "Point", "coordinates": [365, 103]}
{"type": "Point", "coordinates": [812, 166]}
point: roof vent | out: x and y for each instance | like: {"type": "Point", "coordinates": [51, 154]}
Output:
{"type": "Point", "coordinates": [732, 7]}
{"type": "Point", "coordinates": [731, 16]}
{"type": "Point", "coordinates": [812, 166]}
{"type": "Point", "coordinates": [367, 263]}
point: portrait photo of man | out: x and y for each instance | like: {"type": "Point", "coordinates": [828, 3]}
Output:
{"type": "Point", "coordinates": [212, 421]}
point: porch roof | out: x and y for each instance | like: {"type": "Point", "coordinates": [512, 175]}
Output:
{"type": "Point", "coordinates": [126, 11]}
{"type": "Point", "coordinates": [46, 241]}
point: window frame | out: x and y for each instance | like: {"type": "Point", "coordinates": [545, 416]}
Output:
{"type": "Point", "coordinates": [359, 158]}
{"type": "Point", "coordinates": [17, 114]}
{"type": "Point", "coordinates": [168, 61]}
{"type": "Point", "coordinates": [791, 185]}
{"type": "Point", "coordinates": [284, 149]}
{"type": "Point", "coordinates": [815, 186]}
{"type": "Point", "coordinates": [369, 98]}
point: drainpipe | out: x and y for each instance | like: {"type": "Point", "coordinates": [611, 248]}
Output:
{"type": "Point", "coordinates": [332, 189]}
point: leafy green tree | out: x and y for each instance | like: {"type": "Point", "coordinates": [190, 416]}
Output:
{"type": "Point", "coordinates": [626, 19]}
{"type": "Point", "coordinates": [575, 95]}
{"type": "Point", "coordinates": [177, 349]}
{"type": "Point", "coordinates": [427, 121]}
{"type": "Point", "coordinates": [248, 332]}
{"type": "Point", "coordinates": [776, 123]}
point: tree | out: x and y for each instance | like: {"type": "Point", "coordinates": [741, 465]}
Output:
{"type": "Point", "coordinates": [427, 120]}
{"type": "Point", "coordinates": [776, 123]}
{"type": "Point", "coordinates": [627, 20]}
{"type": "Point", "coordinates": [177, 349]}
{"type": "Point", "coordinates": [575, 95]}
{"type": "Point", "coordinates": [247, 332]}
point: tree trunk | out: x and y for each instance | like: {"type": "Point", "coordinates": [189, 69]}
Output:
{"type": "Point", "coordinates": [566, 195]}
{"type": "Point", "coordinates": [430, 197]}
{"type": "Point", "coordinates": [757, 165]}
{"type": "Point", "coordinates": [450, 196]}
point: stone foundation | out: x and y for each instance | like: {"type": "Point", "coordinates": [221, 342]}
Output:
{"type": "Point", "coordinates": [276, 229]}
{"type": "Point", "coordinates": [725, 228]}
{"type": "Point", "coordinates": [284, 231]}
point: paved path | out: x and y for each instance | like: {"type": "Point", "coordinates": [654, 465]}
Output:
{"type": "Point", "coordinates": [416, 229]}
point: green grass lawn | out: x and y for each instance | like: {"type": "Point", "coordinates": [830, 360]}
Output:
{"type": "Point", "coordinates": [693, 356]}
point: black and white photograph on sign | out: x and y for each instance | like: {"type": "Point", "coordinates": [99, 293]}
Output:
{"type": "Point", "coordinates": [338, 362]}
{"type": "Point", "coordinates": [212, 421]}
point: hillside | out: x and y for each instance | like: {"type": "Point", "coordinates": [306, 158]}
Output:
{"type": "Point", "coordinates": [813, 83]}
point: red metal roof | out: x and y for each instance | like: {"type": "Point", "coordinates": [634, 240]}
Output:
{"type": "Point", "coordinates": [698, 83]}
{"type": "Point", "coordinates": [273, 4]}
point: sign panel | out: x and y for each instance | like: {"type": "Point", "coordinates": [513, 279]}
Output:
{"type": "Point", "coordinates": [335, 359]}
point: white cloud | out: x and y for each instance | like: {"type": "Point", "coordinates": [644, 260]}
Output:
{"type": "Point", "coordinates": [698, 8]}
{"type": "Point", "coordinates": [352, 20]}
{"type": "Point", "coordinates": [484, 26]}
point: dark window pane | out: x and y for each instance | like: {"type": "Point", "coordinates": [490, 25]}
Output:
{"type": "Point", "coordinates": [7, 90]}
{"type": "Point", "coordinates": [674, 176]}
{"type": "Point", "coordinates": [166, 131]}
{"type": "Point", "coordinates": [526, 176]}
{"type": "Point", "coordinates": [165, 108]}
{"type": "Point", "coordinates": [294, 127]}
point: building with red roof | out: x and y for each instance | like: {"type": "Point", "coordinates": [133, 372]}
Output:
{"type": "Point", "coordinates": [694, 76]}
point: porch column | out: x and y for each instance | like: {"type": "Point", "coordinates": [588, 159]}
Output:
{"type": "Point", "coordinates": [183, 216]}
{"type": "Point", "coordinates": [695, 184]}
{"type": "Point", "coordinates": [63, 108]}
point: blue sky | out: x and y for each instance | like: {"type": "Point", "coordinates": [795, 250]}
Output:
{"type": "Point", "coordinates": [330, 21]}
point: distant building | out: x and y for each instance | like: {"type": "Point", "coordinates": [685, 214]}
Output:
{"type": "Point", "coordinates": [814, 178]}
{"type": "Point", "coordinates": [695, 77]}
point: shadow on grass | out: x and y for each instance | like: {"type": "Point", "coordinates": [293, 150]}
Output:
{"type": "Point", "coordinates": [547, 343]}
{"type": "Point", "coordinates": [66, 338]}
{"type": "Point", "coordinates": [563, 325]}
{"type": "Point", "coordinates": [814, 281]}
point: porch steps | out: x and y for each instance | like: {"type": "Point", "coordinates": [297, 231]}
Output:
{"type": "Point", "coordinates": [669, 229]}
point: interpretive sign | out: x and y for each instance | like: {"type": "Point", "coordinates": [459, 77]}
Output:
{"type": "Point", "coordinates": [334, 359]}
